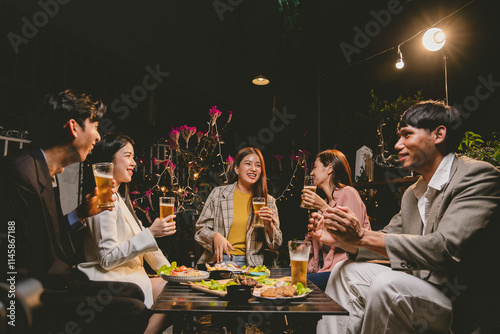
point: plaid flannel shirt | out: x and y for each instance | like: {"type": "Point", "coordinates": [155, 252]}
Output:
{"type": "Point", "coordinates": [217, 216]}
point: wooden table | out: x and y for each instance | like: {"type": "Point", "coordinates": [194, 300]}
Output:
{"type": "Point", "coordinates": [181, 303]}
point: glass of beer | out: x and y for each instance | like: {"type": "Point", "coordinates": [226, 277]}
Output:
{"type": "Point", "coordinates": [258, 203]}
{"type": "Point", "coordinates": [309, 185]}
{"type": "Point", "coordinates": [103, 175]}
{"type": "Point", "coordinates": [299, 256]}
{"type": "Point", "coordinates": [167, 205]}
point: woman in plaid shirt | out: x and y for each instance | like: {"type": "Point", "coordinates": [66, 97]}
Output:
{"type": "Point", "coordinates": [225, 227]}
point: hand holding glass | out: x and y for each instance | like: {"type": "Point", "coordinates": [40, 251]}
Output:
{"type": "Point", "coordinates": [103, 175]}
{"type": "Point", "coordinates": [258, 203]}
{"type": "Point", "coordinates": [167, 205]}
{"type": "Point", "coordinates": [309, 185]}
{"type": "Point", "coordinates": [299, 256]}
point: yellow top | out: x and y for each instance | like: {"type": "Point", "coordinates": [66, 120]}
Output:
{"type": "Point", "coordinates": [238, 231]}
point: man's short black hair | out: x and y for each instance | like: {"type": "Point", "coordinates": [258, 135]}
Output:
{"type": "Point", "coordinates": [48, 117]}
{"type": "Point", "coordinates": [431, 114]}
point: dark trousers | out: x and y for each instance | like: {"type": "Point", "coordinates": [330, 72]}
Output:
{"type": "Point", "coordinates": [93, 307]}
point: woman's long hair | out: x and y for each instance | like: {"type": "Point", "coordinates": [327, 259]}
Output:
{"type": "Point", "coordinates": [260, 188]}
{"type": "Point", "coordinates": [104, 151]}
{"type": "Point", "coordinates": [341, 175]}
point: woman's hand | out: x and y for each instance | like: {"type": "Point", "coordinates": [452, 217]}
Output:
{"type": "Point", "coordinates": [313, 200]}
{"type": "Point", "coordinates": [266, 215]}
{"type": "Point", "coordinates": [221, 246]}
{"type": "Point", "coordinates": [161, 227]}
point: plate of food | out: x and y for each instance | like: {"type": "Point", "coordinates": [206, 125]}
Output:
{"type": "Point", "coordinates": [174, 273]}
{"type": "Point", "coordinates": [257, 271]}
{"type": "Point", "coordinates": [281, 290]}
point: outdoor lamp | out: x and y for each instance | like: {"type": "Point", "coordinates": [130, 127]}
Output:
{"type": "Point", "coordinates": [434, 39]}
{"type": "Point", "coordinates": [260, 80]}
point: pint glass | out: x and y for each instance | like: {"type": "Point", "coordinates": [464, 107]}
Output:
{"type": "Point", "coordinates": [258, 203]}
{"type": "Point", "coordinates": [299, 256]}
{"type": "Point", "coordinates": [103, 175]}
{"type": "Point", "coordinates": [309, 185]}
{"type": "Point", "coordinates": [167, 205]}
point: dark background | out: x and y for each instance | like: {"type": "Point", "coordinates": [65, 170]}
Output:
{"type": "Point", "coordinates": [104, 47]}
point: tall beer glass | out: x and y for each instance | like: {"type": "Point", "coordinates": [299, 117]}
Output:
{"type": "Point", "coordinates": [167, 205]}
{"type": "Point", "coordinates": [309, 185]}
{"type": "Point", "coordinates": [299, 256]}
{"type": "Point", "coordinates": [258, 203]}
{"type": "Point", "coordinates": [103, 175]}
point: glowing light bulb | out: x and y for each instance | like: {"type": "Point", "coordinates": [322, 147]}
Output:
{"type": "Point", "coordinates": [434, 39]}
{"type": "Point", "coordinates": [400, 64]}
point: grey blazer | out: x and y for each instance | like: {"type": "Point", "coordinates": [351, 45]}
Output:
{"type": "Point", "coordinates": [459, 249]}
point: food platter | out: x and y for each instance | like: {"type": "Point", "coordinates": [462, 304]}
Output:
{"type": "Point", "coordinates": [256, 293]}
{"type": "Point", "coordinates": [184, 278]}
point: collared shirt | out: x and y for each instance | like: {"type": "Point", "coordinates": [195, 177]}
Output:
{"type": "Point", "coordinates": [74, 222]}
{"type": "Point", "coordinates": [426, 193]}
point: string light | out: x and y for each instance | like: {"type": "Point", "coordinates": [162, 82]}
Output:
{"type": "Point", "coordinates": [400, 63]}
{"type": "Point", "coordinates": [290, 185]}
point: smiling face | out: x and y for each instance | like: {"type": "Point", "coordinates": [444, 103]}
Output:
{"type": "Point", "coordinates": [321, 173]}
{"type": "Point", "coordinates": [249, 171]}
{"type": "Point", "coordinates": [85, 138]}
{"type": "Point", "coordinates": [124, 164]}
{"type": "Point", "coordinates": [417, 149]}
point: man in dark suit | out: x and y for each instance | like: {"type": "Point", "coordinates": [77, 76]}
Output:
{"type": "Point", "coordinates": [47, 247]}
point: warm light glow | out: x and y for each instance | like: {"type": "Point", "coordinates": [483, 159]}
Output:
{"type": "Point", "coordinates": [434, 39]}
{"type": "Point", "coordinates": [260, 80]}
{"type": "Point", "coordinates": [400, 64]}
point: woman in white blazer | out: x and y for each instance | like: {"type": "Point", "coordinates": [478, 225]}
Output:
{"type": "Point", "coordinates": [117, 243]}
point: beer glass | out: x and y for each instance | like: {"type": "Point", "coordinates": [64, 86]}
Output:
{"type": "Point", "coordinates": [103, 175]}
{"type": "Point", "coordinates": [299, 256]}
{"type": "Point", "coordinates": [309, 185]}
{"type": "Point", "coordinates": [167, 205]}
{"type": "Point", "coordinates": [258, 203]}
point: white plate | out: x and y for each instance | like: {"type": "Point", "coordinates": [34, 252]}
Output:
{"type": "Point", "coordinates": [180, 278]}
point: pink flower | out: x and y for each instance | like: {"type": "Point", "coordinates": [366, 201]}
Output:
{"type": "Point", "coordinates": [187, 132]}
{"type": "Point", "coordinates": [155, 162]}
{"type": "Point", "coordinates": [148, 192]}
{"type": "Point", "coordinates": [230, 116]}
{"type": "Point", "coordinates": [147, 209]}
{"type": "Point", "coordinates": [199, 134]}
{"type": "Point", "coordinates": [174, 135]}
{"type": "Point", "coordinates": [214, 113]}
{"type": "Point", "coordinates": [134, 193]}
{"type": "Point", "coordinates": [229, 162]}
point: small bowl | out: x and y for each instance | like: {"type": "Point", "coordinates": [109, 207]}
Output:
{"type": "Point", "coordinates": [220, 274]}
{"type": "Point", "coordinates": [257, 273]}
{"type": "Point", "coordinates": [239, 292]}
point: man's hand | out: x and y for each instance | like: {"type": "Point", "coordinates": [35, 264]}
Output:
{"type": "Point", "coordinates": [344, 225]}
{"type": "Point", "coordinates": [317, 231]}
{"type": "Point", "coordinates": [162, 227]}
{"type": "Point", "coordinates": [221, 246]}
{"type": "Point", "coordinates": [88, 207]}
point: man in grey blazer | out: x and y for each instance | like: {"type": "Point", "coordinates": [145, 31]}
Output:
{"type": "Point", "coordinates": [441, 245]}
